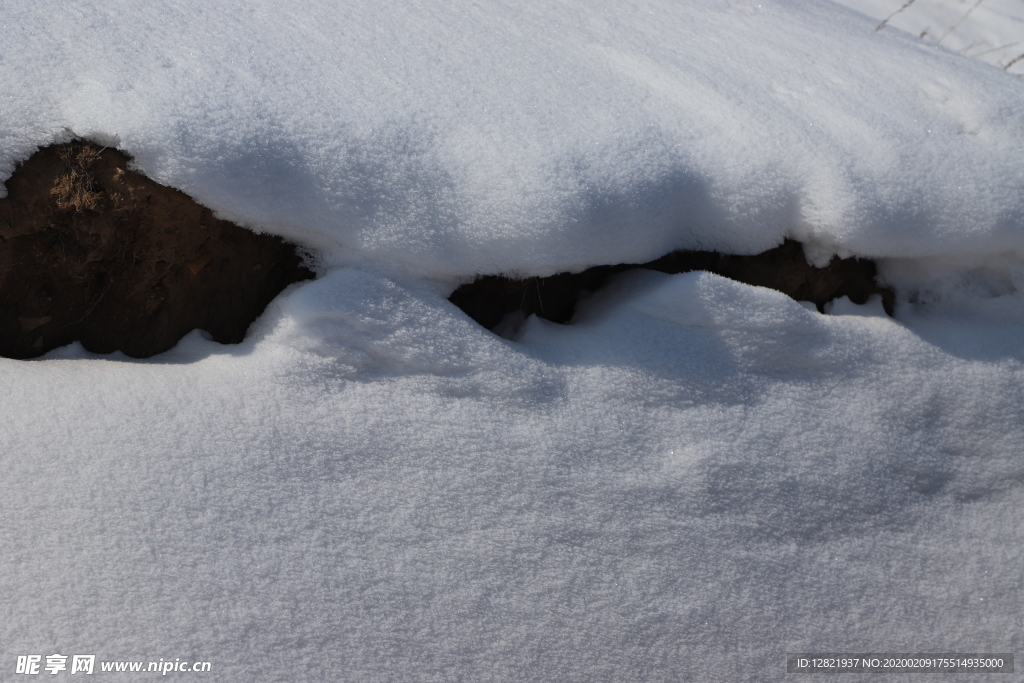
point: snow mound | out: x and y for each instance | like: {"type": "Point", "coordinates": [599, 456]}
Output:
{"type": "Point", "coordinates": [530, 138]}
{"type": "Point", "coordinates": [694, 478]}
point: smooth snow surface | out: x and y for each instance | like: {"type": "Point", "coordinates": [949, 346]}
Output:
{"type": "Point", "coordinates": [692, 479]}
{"type": "Point", "coordinates": [695, 478]}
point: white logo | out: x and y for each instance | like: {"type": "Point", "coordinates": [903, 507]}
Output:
{"type": "Point", "coordinates": [55, 663]}
{"type": "Point", "coordinates": [82, 664]}
{"type": "Point", "coordinates": [29, 664]}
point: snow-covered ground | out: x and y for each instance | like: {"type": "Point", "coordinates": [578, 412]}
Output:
{"type": "Point", "coordinates": [691, 480]}
{"type": "Point", "coordinates": [989, 30]}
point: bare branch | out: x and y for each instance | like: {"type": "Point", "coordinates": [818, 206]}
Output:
{"type": "Point", "coordinates": [957, 24]}
{"type": "Point", "coordinates": [1013, 61]}
{"type": "Point", "coordinates": [885, 21]}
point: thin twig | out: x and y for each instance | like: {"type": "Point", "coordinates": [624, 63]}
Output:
{"type": "Point", "coordinates": [957, 24]}
{"type": "Point", "coordinates": [993, 49]}
{"type": "Point", "coordinates": [885, 21]}
{"type": "Point", "coordinates": [1013, 61]}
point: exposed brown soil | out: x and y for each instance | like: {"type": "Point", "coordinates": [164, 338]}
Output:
{"type": "Point", "coordinates": [784, 268]}
{"type": "Point", "coordinates": [92, 251]}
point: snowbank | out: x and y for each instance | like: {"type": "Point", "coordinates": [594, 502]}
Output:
{"type": "Point", "coordinates": [448, 141]}
{"type": "Point", "coordinates": [694, 478]}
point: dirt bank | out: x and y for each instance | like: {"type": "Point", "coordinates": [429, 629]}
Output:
{"type": "Point", "coordinates": [92, 251]}
{"type": "Point", "coordinates": [785, 268]}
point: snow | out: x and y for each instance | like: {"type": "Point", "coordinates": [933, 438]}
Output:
{"type": "Point", "coordinates": [691, 480]}
{"type": "Point", "coordinates": [491, 138]}
{"type": "Point", "coordinates": [989, 30]}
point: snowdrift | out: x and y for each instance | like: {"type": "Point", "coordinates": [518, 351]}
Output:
{"type": "Point", "coordinates": [528, 138]}
{"type": "Point", "coordinates": [693, 478]}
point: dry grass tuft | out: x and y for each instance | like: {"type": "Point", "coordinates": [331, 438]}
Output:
{"type": "Point", "coordinates": [75, 188]}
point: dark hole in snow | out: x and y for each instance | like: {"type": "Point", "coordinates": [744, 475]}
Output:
{"type": "Point", "coordinates": [785, 268]}
{"type": "Point", "coordinates": [92, 251]}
